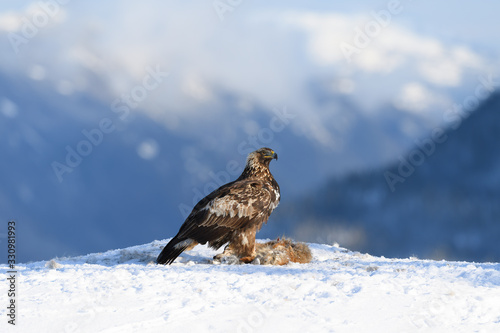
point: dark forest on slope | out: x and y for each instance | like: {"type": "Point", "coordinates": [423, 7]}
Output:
{"type": "Point", "coordinates": [445, 205]}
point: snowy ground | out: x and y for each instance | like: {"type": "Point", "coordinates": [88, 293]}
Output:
{"type": "Point", "coordinates": [340, 291]}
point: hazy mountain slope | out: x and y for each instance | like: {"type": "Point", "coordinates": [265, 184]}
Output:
{"type": "Point", "coordinates": [113, 197]}
{"type": "Point", "coordinates": [444, 205]}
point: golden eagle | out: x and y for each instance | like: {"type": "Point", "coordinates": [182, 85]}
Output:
{"type": "Point", "coordinates": [232, 214]}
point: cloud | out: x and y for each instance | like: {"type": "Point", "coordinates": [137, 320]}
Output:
{"type": "Point", "coordinates": [264, 59]}
{"type": "Point", "coordinates": [441, 72]}
{"type": "Point", "coordinates": [392, 49]}
{"type": "Point", "coordinates": [37, 15]}
{"type": "Point", "coordinates": [325, 33]}
{"type": "Point", "coordinates": [416, 98]}
{"type": "Point", "coordinates": [447, 68]}
{"type": "Point", "coordinates": [194, 87]}
{"type": "Point", "coordinates": [10, 21]}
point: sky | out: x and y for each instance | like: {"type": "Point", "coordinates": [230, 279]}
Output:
{"type": "Point", "coordinates": [419, 56]}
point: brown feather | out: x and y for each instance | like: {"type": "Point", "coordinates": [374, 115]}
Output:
{"type": "Point", "coordinates": [236, 211]}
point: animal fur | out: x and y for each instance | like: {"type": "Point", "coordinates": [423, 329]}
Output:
{"type": "Point", "coordinates": [275, 252]}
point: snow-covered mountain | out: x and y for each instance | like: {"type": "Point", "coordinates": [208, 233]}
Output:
{"type": "Point", "coordinates": [142, 108]}
{"type": "Point", "coordinates": [339, 291]}
{"type": "Point", "coordinates": [440, 199]}
{"type": "Point", "coordinates": [74, 188]}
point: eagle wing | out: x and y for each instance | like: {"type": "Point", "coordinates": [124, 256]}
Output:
{"type": "Point", "coordinates": [232, 207]}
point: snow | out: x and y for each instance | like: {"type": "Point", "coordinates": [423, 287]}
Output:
{"type": "Point", "coordinates": [339, 291]}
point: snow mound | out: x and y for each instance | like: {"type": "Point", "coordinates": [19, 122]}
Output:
{"type": "Point", "coordinates": [123, 290]}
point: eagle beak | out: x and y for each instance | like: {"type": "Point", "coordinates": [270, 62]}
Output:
{"type": "Point", "coordinates": [272, 155]}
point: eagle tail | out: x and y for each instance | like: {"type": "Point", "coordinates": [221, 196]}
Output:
{"type": "Point", "coordinates": [173, 249]}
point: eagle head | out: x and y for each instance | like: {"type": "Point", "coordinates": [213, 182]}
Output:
{"type": "Point", "coordinates": [261, 157]}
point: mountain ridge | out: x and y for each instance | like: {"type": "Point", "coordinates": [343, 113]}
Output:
{"type": "Point", "coordinates": [441, 207]}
